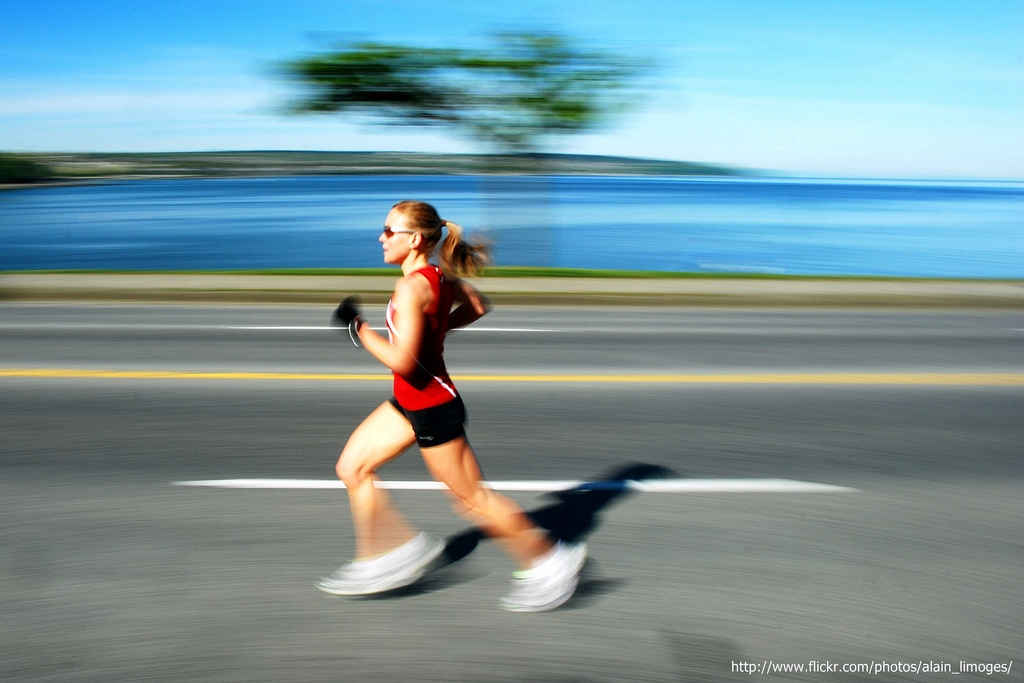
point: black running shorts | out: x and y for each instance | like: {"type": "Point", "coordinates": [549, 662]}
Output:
{"type": "Point", "coordinates": [437, 425]}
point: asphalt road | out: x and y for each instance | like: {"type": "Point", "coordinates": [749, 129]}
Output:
{"type": "Point", "coordinates": [110, 572]}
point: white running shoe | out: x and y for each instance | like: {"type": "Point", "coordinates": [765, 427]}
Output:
{"type": "Point", "coordinates": [398, 568]}
{"type": "Point", "coordinates": [548, 584]}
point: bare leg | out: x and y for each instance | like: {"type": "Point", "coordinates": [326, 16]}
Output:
{"type": "Point", "coordinates": [379, 526]}
{"type": "Point", "coordinates": [455, 464]}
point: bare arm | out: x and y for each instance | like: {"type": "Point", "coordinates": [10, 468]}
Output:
{"type": "Point", "coordinates": [472, 305]}
{"type": "Point", "coordinates": [411, 298]}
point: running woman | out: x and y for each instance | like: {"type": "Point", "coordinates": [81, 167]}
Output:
{"type": "Point", "coordinates": [427, 410]}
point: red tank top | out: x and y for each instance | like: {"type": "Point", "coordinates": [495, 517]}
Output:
{"type": "Point", "coordinates": [429, 384]}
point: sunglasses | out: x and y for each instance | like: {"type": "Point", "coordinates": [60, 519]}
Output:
{"type": "Point", "coordinates": [389, 232]}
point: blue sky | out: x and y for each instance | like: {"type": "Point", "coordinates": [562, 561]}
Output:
{"type": "Point", "coordinates": [896, 88]}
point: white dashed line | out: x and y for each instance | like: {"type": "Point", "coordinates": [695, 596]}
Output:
{"type": "Point", "coordinates": [645, 486]}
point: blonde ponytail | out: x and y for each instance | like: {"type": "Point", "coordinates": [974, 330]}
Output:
{"type": "Point", "coordinates": [459, 257]}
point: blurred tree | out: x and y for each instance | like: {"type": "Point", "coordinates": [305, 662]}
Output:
{"type": "Point", "coordinates": [528, 87]}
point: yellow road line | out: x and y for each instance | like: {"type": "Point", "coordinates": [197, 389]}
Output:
{"type": "Point", "coordinates": [874, 378]}
{"type": "Point", "coordinates": [962, 378]}
{"type": "Point", "coordinates": [72, 373]}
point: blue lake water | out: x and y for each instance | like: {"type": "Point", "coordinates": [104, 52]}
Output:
{"type": "Point", "coordinates": [746, 225]}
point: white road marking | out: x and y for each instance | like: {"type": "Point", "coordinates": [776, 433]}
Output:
{"type": "Point", "coordinates": [192, 326]}
{"type": "Point", "coordinates": [379, 329]}
{"type": "Point", "coordinates": [645, 486]}
{"type": "Point", "coordinates": [502, 329]}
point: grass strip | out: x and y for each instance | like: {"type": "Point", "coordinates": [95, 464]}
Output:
{"type": "Point", "coordinates": [521, 272]}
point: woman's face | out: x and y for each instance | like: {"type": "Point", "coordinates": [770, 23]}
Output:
{"type": "Point", "coordinates": [397, 244]}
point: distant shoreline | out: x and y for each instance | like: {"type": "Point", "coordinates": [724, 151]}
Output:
{"type": "Point", "coordinates": [65, 167]}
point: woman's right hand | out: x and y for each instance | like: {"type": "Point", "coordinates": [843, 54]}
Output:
{"type": "Point", "coordinates": [347, 315]}
{"type": "Point", "coordinates": [346, 312]}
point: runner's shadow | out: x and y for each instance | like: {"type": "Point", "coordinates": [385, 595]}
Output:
{"type": "Point", "coordinates": [576, 513]}
{"type": "Point", "coordinates": [574, 516]}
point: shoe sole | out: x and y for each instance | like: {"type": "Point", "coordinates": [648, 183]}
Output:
{"type": "Point", "coordinates": [561, 600]}
{"type": "Point", "coordinates": [574, 583]}
{"type": "Point", "coordinates": [394, 582]}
